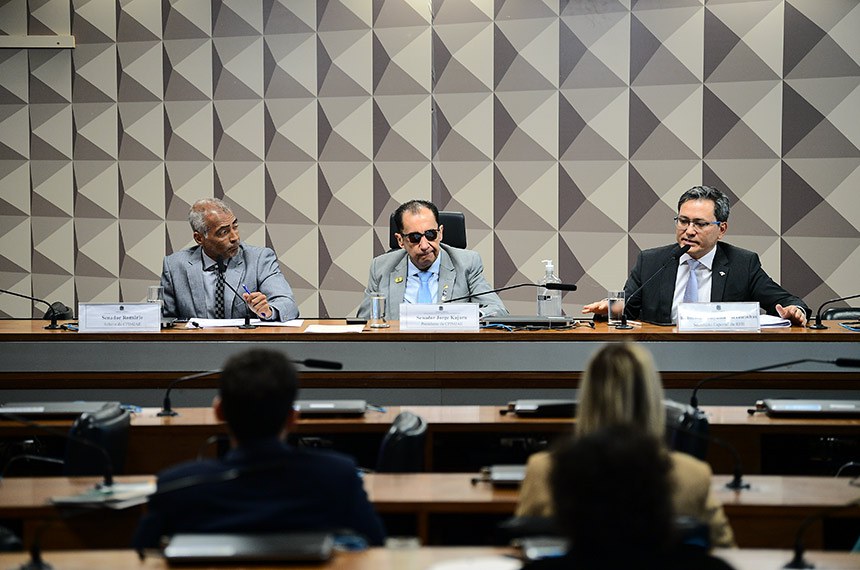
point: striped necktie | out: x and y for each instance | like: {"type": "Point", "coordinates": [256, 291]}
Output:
{"type": "Point", "coordinates": [219, 294]}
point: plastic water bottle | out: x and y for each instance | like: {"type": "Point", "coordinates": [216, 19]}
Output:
{"type": "Point", "coordinates": [548, 302]}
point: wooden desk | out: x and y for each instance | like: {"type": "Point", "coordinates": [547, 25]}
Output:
{"type": "Point", "coordinates": [389, 358]}
{"type": "Point", "coordinates": [459, 437]}
{"type": "Point", "coordinates": [414, 559]}
{"type": "Point", "coordinates": [768, 515]}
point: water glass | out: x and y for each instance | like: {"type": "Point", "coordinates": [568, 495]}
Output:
{"type": "Point", "coordinates": [377, 312]}
{"type": "Point", "coordinates": [615, 300]}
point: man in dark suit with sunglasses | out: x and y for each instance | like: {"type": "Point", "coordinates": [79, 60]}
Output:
{"type": "Point", "coordinates": [425, 270]}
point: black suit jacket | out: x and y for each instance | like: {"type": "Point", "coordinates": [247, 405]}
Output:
{"type": "Point", "coordinates": [280, 489]}
{"type": "Point", "coordinates": [737, 275]}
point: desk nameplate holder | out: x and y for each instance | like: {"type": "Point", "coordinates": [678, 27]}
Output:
{"type": "Point", "coordinates": [439, 318]}
{"type": "Point", "coordinates": [718, 317]}
{"type": "Point", "coordinates": [119, 317]}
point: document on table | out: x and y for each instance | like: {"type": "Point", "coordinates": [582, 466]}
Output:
{"type": "Point", "coordinates": [769, 321]}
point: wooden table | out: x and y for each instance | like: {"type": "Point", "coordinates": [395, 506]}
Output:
{"type": "Point", "coordinates": [409, 559]}
{"type": "Point", "coordinates": [390, 358]}
{"type": "Point", "coordinates": [767, 515]}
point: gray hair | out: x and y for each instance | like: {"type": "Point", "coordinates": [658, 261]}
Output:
{"type": "Point", "coordinates": [198, 212]}
{"type": "Point", "coordinates": [720, 200]}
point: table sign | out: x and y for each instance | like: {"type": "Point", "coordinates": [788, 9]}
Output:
{"type": "Point", "coordinates": [436, 318]}
{"type": "Point", "coordinates": [119, 317]}
{"type": "Point", "coordinates": [732, 317]}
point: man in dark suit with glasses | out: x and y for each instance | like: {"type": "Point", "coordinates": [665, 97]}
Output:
{"type": "Point", "coordinates": [425, 270]}
{"type": "Point", "coordinates": [710, 271]}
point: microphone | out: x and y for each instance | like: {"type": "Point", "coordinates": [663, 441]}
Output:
{"type": "Point", "coordinates": [550, 286]}
{"type": "Point", "coordinates": [56, 310]}
{"type": "Point", "coordinates": [841, 362]}
{"type": "Point", "coordinates": [818, 325]}
{"type": "Point", "coordinates": [222, 268]}
{"type": "Point", "coordinates": [676, 252]}
{"type": "Point", "coordinates": [798, 561]}
{"type": "Point", "coordinates": [167, 408]}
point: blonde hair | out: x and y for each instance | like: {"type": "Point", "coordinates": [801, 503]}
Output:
{"type": "Point", "coordinates": [621, 386]}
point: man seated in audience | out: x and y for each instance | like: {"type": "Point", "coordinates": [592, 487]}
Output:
{"type": "Point", "coordinates": [613, 501]}
{"type": "Point", "coordinates": [262, 484]}
{"type": "Point", "coordinates": [621, 386]}
{"type": "Point", "coordinates": [710, 271]}
{"type": "Point", "coordinates": [425, 270]}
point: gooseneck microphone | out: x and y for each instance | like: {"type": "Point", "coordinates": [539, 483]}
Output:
{"type": "Point", "coordinates": [840, 362]}
{"type": "Point", "coordinates": [56, 310]}
{"type": "Point", "coordinates": [167, 407]}
{"type": "Point", "coordinates": [798, 561]}
{"type": "Point", "coordinates": [737, 483]}
{"type": "Point", "coordinates": [550, 286]}
{"type": "Point", "coordinates": [676, 253]}
{"type": "Point", "coordinates": [222, 269]}
{"type": "Point", "coordinates": [817, 325]}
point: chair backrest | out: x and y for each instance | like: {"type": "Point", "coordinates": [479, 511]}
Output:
{"type": "Point", "coordinates": [453, 234]}
{"type": "Point", "coordinates": [107, 429]}
{"type": "Point", "coordinates": [841, 314]}
{"type": "Point", "coordinates": [402, 448]}
{"type": "Point", "coordinates": [686, 429]}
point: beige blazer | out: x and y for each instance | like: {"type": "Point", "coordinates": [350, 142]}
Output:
{"type": "Point", "coordinates": [692, 494]}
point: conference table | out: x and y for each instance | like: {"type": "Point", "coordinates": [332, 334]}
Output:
{"type": "Point", "coordinates": [444, 508]}
{"type": "Point", "coordinates": [31, 357]}
{"type": "Point", "coordinates": [411, 559]}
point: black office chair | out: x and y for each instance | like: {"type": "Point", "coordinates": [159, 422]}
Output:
{"type": "Point", "coordinates": [453, 234]}
{"type": "Point", "coordinates": [841, 314]}
{"type": "Point", "coordinates": [686, 429]}
{"type": "Point", "coordinates": [107, 429]}
{"type": "Point", "coordinates": [402, 448]}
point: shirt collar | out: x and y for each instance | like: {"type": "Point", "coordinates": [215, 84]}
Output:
{"type": "Point", "coordinates": [412, 270]}
{"type": "Point", "coordinates": [707, 260]}
{"type": "Point", "coordinates": [210, 264]}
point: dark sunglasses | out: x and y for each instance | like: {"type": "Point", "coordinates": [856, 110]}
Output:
{"type": "Point", "coordinates": [415, 237]}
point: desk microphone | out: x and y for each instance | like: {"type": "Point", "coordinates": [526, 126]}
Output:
{"type": "Point", "coordinates": [167, 408]}
{"type": "Point", "coordinates": [818, 325]}
{"type": "Point", "coordinates": [841, 362]}
{"type": "Point", "coordinates": [56, 310]}
{"type": "Point", "coordinates": [676, 253]}
{"type": "Point", "coordinates": [550, 286]}
{"type": "Point", "coordinates": [694, 416]}
{"type": "Point", "coordinates": [798, 561]}
{"type": "Point", "coordinates": [222, 269]}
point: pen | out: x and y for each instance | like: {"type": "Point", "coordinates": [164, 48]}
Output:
{"type": "Point", "coordinates": [245, 287]}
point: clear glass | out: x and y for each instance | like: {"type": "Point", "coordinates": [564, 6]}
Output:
{"type": "Point", "coordinates": [155, 294]}
{"type": "Point", "coordinates": [377, 312]}
{"type": "Point", "coordinates": [615, 300]}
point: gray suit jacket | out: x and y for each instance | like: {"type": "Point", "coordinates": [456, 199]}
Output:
{"type": "Point", "coordinates": [255, 267]}
{"type": "Point", "coordinates": [461, 273]}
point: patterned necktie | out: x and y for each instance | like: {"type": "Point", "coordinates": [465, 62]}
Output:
{"type": "Point", "coordinates": [691, 293]}
{"type": "Point", "coordinates": [219, 294]}
{"type": "Point", "coordinates": [424, 288]}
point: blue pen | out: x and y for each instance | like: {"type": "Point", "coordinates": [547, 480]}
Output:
{"type": "Point", "coordinates": [245, 287]}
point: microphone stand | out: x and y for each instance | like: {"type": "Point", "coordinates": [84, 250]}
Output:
{"type": "Point", "coordinates": [677, 252]}
{"type": "Point", "coordinates": [54, 309]}
{"type": "Point", "coordinates": [798, 560]}
{"type": "Point", "coordinates": [550, 286]}
{"type": "Point", "coordinates": [247, 324]}
{"type": "Point", "coordinates": [818, 325]}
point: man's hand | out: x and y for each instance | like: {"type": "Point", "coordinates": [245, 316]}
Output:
{"type": "Point", "coordinates": [600, 307]}
{"type": "Point", "coordinates": [793, 313]}
{"type": "Point", "coordinates": [258, 303]}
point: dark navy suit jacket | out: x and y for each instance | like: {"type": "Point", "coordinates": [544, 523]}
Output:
{"type": "Point", "coordinates": [736, 275]}
{"type": "Point", "coordinates": [280, 488]}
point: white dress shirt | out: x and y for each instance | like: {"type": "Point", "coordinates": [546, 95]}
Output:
{"type": "Point", "coordinates": [703, 273]}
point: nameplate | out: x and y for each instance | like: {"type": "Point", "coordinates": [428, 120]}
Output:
{"type": "Point", "coordinates": [730, 317]}
{"type": "Point", "coordinates": [119, 317]}
{"type": "Point", "coordinates": [437, 318]}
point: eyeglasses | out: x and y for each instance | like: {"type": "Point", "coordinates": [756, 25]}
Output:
{"type": "Point", "coordinates": [682, 223]}
{"type": "Point", "coordinates": [415, 237]}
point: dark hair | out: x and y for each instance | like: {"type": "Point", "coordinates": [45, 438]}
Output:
{"type": "Point", "coordinates": [413, 207]}
{"type": "Point", "coordinates": [257, 389]}
{"type": "Point", "coordinates": [720, 200]}
{"type": "Point", "coordinates": [613, 497]}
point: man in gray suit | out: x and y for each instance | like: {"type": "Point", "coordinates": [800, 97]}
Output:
{"type": "Point", "coordinates": [425, 270]}
{"type": "Point", "coordinates": [193, 279]}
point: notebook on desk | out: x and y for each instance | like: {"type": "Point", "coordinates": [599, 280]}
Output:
{"type": "Point", "coordinates": [239, 548]}
{"type": "Point", "coordinates": [45, 410]}
{"type": "Point", "coordinates": [542, 408]}
{"type": "Point", "coordinates": [812, 408]}
{"type": "Point", "coordinates": [330, 407]}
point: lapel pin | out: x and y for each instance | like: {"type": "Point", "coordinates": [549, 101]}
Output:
{"type": "Point", "coordinates": [398, 279]}
{"type": "Point", "coordinates": [722, 273]}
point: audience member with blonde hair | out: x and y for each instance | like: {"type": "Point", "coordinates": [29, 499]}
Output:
{"type": "Point", "coordinates": [621, 386]}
